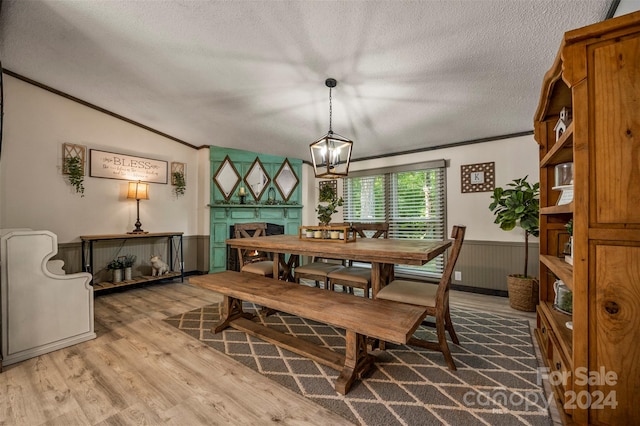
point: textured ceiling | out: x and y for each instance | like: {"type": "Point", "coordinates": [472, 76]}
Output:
{"type": "Point", "coordinates": [250, 74]}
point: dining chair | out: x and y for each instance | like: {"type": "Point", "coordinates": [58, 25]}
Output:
{"type": "Point", "coordinates": [251, 260]}
{"type": "Point", "coordinates": [434, 297]}
{"type": "Point", "coordinates": [318, 268]}
{"type": "Point", "coordinates": [358, 276]}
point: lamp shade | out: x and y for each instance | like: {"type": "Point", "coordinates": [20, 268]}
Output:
{"type": "Point", "coordinates": [331, 155]}
{"type": "Point", "coordinates": [138, 191]}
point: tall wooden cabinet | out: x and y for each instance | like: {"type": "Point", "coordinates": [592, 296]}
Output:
{"type": "Point", "coordinates": [594, 368]}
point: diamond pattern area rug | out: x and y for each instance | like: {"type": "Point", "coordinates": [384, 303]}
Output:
{"type": "Point", "coordinates": [497, 381]}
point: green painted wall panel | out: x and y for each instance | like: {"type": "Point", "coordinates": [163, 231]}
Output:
{"type": "Point", "coordinates": [225, 213]}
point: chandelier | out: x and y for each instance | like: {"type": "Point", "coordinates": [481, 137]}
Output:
{"type": "Point", "coordinates": [331, 153]}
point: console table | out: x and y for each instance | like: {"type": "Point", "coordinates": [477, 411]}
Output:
{"type": "Point", "coordinates": [174, 257]}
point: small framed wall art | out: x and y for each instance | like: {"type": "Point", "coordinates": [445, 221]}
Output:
{"type": "Point", "coordinates": [480, 177]}
{"type": "Point", "coordinates": [333, 184]}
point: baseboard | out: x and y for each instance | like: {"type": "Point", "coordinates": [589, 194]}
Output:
{"type": "Point", "coordinates": [480, 290]}
{"type": "Point", "coordinates": [458, 287]}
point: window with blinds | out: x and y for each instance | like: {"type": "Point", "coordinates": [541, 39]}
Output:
{"type": "Point", "coordinates": [411, 198]}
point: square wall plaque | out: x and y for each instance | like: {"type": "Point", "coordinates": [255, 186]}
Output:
{"type": "Point", "coordinates": [479, 177]}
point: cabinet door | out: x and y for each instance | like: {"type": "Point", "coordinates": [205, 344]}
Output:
{"type": "Point", "coordinates": [616, 130]}
{"type": "Point", "coordinates": [615, 315]}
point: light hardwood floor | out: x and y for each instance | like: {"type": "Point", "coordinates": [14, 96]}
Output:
{"type": "Point", "coordinates": [140, 370]}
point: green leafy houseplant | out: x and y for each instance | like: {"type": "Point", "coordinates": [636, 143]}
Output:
{"type": "Point", "coordinates": [129, 260]}
{"type": "Point", "coordinates": [75, 174]}
{"type": "Point", "coordinates": [115, 264]}
{"type": "Point", "coordinates": [328, 195]}
{"type": "Point", "coordinates": [179, 183]}
{"type": "Point", "coordinates": [518, 205]}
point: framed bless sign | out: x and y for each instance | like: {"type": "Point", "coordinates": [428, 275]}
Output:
{"type": "Point", "coordinates": [111, 165]}
{"type": "Point", "coordinates": [479, 177]}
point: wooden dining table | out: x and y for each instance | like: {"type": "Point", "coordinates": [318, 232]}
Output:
{"type": "Point", "coordinates": [381, 253]}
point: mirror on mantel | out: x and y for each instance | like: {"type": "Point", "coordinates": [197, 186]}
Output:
{"type": "Point", "coordinates": [227, 178]}
{"type": "Point", "coordinates": [257, 179]}
{"type": "Point", "coordinates": [286, 180]}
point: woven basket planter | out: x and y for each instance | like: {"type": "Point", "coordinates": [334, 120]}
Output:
{"type": "Point", "coordinates": [523, 293]}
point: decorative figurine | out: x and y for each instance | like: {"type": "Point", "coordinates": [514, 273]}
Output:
{"type": "Point", "coordinates": [563, 122]}
{"type": "Point", "coordinates": [158, 266]}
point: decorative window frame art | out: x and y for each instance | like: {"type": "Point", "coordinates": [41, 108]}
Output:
{"type": "Point", "coordinates": [479, 177]}
{"type": "Point", "coordinates": [178, 167]}
{"type": "Point", "coordinates": [70, 150]}
{"type": "Point", "coordinates": [111, 165]}
{"type": "Point", "coordinates": [333, 183]}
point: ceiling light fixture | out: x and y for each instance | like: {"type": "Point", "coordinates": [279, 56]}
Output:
{"type": "Point", "coordinates": [331, 154]}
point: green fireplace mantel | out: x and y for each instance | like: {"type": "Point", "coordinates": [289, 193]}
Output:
{"type": "Point", "coordinates": [238, 169]}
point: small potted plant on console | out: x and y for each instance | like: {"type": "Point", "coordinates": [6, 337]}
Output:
{"type": "Point", "coordinates": [116, 266]}
{"type": "Point", "coordinates": [128, 261]}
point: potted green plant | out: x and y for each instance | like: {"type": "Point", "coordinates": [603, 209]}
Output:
{"type": "Point", "coordinates": [519, 205]}
{"type": "Point", "coordinates": [116, 266]}
{"type": "Point", "coordinates": [75, 173]}
{"type": "Point", "coordinates": [179, 182]}
{"type": "Point", "coordinates": [328, 195]}
{"type": "Point", "coordinates": [127, 262]}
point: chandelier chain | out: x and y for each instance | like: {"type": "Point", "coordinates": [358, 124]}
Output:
{"type": "Point", "coordinates": [330, 111]}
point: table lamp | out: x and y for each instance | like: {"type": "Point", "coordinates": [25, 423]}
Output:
{"type": "Point", "coordinates": [138, 191]}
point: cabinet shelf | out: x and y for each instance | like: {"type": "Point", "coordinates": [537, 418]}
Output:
{"type": "Point", "coordinates": [560, 268]}
{"type": "Point", "coordinates": [561, 151]}
{"type": "Point", "coordinates": [561, 209]}
{"type": "Point", "coordinates": [558, 322]}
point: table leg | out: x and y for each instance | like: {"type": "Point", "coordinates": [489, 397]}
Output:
{"type": "Point", "coordinates": [376, 278]}
{"type": "Point", "coordinates": [231, 309]}
{"type": "Point", "coordinates": [276, 265]}
{"type": "Point", "coordinates": [388, 273]}
{"type": "Point", "coordinates": [381, 275]}
{"type": "Point", "coordinates": [357, 361]}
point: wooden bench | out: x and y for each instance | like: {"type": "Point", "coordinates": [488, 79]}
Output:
{"type": "Point", "coordinates": [359, 317]}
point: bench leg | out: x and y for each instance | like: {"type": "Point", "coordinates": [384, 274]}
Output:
{"type": "Point", "coordinates": [357, 361]}
{"type": "Point", "coordinates": [231, 309]}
